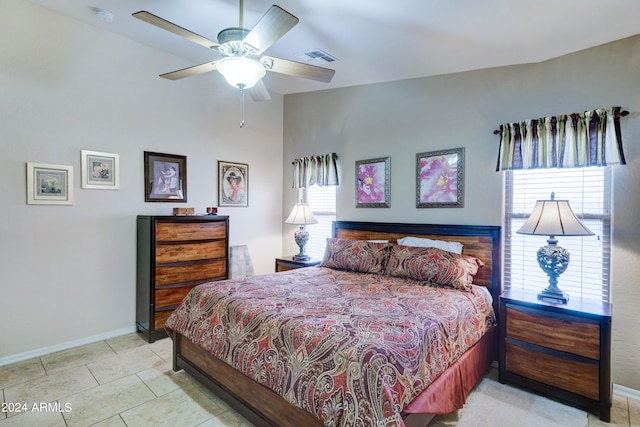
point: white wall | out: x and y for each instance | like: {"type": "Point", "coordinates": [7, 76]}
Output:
{"type": "Point", "coordinates": [400, 119]}
{"type": "Point", "coordinates": [68, 272]}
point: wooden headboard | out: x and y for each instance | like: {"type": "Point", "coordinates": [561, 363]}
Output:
{"type": "Point", "coordinates": [480, 241]}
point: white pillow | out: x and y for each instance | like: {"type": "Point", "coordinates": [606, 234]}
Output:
{"type": "Point", "coordinates": [455, 247]}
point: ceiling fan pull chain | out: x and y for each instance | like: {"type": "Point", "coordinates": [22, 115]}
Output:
{"type": "Point", "coordinates": [241, 106]}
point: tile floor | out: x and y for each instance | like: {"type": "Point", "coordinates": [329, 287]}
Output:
{"type": "Point", "coordinates": [126, 381]}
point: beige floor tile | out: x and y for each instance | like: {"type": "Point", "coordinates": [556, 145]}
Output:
{"type": "Point", "coordinates": [161, 379]}
{"type": "Point", "coordinates": [619, 402]}
{"type": "Point", "coordinates": [124, 364]}
{"type": "Point", "coordinates": [105, 401]}
{"type": "Point", "coordinates": [228, 418]}
{"type": "Point", "coordinates": [115, 421]}
{"type": "Point", "coordinates": [126, 342]}
{"type": "Point", "coordinates": [56, 386]}
{"type": "Point", "coordinates": [163, 348]}
{"type": "Point", "coordinates": [185, 407]}
{"type": "Point", "coordinates": [20, 372]}
{"type": "Point", "coordinates": [619, 417]}
{"type": "Point", "coordinates": [34, 419]}
{"type": "Point", "coordinates": [77, 356]}
{"type": "Point", "coordinates": [634, 413]}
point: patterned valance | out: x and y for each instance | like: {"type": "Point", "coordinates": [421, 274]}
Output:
{"type": "Point", "coordinates": [320, 170]}
{"type": "Point", "coordinates": [591, 138]}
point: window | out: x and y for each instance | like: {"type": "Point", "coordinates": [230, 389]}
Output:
{"type": "Point", "coordinates": [322, 201]}
{"type": "Point", "coordinates": [588, 191]}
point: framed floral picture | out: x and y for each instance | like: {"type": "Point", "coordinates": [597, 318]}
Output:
{"type": "Point", "coordinates": [165, 178]}
{"type": "Point", "coordinates": [100, 171]}
{"type": "Point", "coordinates": [49, 184]}
{"type": "Point", "coordinates": [440, 179]}
{"type": "Point", "coordinates": [373, 186]}
{"type": "Point", "coordinates": [233, 184]}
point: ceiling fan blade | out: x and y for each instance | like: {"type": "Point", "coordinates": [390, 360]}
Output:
{"type": "Point", "coordinates": [152, 19]}
{"type": "Point", "coordinates": [259, 92]}
{"type": "Point", "coordinates": [273, 25]}
{"type": "Point", "coordinates": [190, 71]}
{"type": "Point", "coordinates": [299, 69]}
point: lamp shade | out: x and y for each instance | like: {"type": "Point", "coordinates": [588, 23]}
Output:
{"type": "Point", "coordinates": [301, 215]}
{"type": "Point", "coordinates": [240, 71]}
{"type": "Point", "coordinates": [554, 218]}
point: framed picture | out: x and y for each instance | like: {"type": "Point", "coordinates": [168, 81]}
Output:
{"type": "Point", "coordinates": [440, 179]}
{"type": "Point", "coordinates": [165, 178]}
{"type": "Point", "coordinates": [100, 171]}
{"type": "Point", "coordinates": [233, 184]}
{"type": "Point", "coordinates": [49, 184]}
{"type": "Point", "coordinates": [373, 187]}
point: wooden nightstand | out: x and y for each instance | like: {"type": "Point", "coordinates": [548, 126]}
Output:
{"type": "Point", "coordinates": [562, 351]}
{"type": "Point", "coordinates": [288, 263]}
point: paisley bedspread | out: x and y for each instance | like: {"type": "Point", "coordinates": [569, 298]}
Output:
{"type": "Point", "coordinates": [352, 348]}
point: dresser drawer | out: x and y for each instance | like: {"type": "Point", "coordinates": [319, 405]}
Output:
{"type": "Point", "coordinates": [171, 296]}
{"type": "Point", "coordinates": [559, 332]}
{"type": "Point", "coordinates": [168, 275]}
{"type": "Point", "coordinates": [190, 251]}
{"type": "Point", "coordinates": [161, 318]}
{"type": "Point", "coordinates": [173, 231]}
{"type": "Point", "coordinates": [576, 376]}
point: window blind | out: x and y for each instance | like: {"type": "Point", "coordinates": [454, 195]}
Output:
{"type": "Point", "coordinates": [322, 201]}
{"type": "Point", "coordinates": [589, 192]}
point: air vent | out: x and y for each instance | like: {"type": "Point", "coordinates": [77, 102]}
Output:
{"type": "Point", "coordinates": [316, 55]}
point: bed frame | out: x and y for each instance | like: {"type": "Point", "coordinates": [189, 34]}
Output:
{"type": "Point", "coordinates": [262, 407]}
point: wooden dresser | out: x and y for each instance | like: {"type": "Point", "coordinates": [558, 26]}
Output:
{"type": "Point", "coordinates": [562, 351]}
{"type": "Point", "coordinates": [175, 254]}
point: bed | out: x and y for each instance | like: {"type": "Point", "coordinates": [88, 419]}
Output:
{"type": "Point", "coordinates": [391, 386]}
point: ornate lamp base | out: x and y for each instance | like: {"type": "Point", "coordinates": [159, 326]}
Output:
{"type": "Point", "coordinates": [553, 260]}
{"type": "Point", "coordinates": [559, 297]}
{"type": "Point", "coordinates": [301, 237]}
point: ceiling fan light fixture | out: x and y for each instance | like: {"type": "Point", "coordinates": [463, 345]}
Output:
{"type": "Point", "coordinates": [241, 72]}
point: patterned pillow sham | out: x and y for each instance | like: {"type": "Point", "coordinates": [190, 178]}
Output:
{"type": "Point", "coordinates": [356, 255]}
{"type": "Point", "coordinates": [434, 266]}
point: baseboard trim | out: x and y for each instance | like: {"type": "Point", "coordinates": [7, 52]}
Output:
{"type": "Point", "coordinates": [626, 392]}
{"type": "Point", "coordinates": [14, 358]}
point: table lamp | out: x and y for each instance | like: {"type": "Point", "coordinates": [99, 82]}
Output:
{"type": "Point", "coordinates": [301, 215]}
{"type": "Point", "coordinates": [553, 218]}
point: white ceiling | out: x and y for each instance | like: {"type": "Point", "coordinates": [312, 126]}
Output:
{"type": "Point", "coordinates": [380, 40]}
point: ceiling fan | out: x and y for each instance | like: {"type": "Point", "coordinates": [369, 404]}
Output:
{"type": "Point", "coordinates": [243, 63]}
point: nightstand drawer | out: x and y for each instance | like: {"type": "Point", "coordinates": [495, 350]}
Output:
{"type": "Point", "coordinates": [576, 376]}
{"type": "Point", "coordinates": [559, 332]}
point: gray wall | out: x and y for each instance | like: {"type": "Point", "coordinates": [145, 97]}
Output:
{"type": "Point", "coordinates": [67, 273]}
{"type": "Point", "coordinates": [400, 119]}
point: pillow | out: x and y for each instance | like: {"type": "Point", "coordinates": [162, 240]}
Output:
{"type": "Point", "coordinates": [433, 265]}
{"type": "Point", "coordinates": [356, 255]}
{"type": "Point", "coordinates": [455, 247]}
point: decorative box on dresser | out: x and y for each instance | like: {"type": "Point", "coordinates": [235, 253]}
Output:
{"type": "Point", "coordinates": [562, 351]}
{"type": "Point", "coordinates": [176, 253]}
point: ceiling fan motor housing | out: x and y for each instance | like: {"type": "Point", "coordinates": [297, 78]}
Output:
{"type": "Point", "coordinates": [230, 40]}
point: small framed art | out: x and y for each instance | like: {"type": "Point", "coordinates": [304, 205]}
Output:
{"type": "Point", "coordinates": [100, 171]}
{"type": "Point", "coordinates": [440, 179]}
{"type": "Point", "coordinates": [373, 185]}
{"type": "Point", "coordinates": [49, 184]}
{"type": "Point", "coordinates": [233, 184]}
{"type": "Point", "coordinates": [165, 177]}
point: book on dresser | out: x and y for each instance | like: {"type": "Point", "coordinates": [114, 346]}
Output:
{"type": "Point", "coordinates": [174, 254]}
